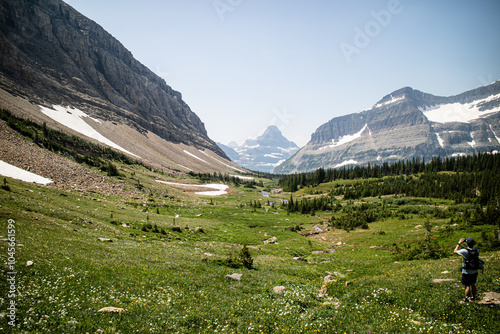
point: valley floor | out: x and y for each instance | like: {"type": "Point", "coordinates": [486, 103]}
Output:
{"type": "Point", "coordinates": [165, 258]}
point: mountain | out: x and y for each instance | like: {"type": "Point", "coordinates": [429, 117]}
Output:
{"type": "Point", "coordinates": [56, 63]}
{"type": "Point", "coordinates": [405, 124]}
{"type": "Point", "coordinates": [264, 153]}
{"type": "Point", "coordinates": [230, 152]}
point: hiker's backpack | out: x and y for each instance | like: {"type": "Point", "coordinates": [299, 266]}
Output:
{"type": "Point", "coordinates": [473, 261]}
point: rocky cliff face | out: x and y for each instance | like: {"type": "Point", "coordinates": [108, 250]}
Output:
{"type": "Point", "coordinates": [264, 153]}
{"type": "Point", "coordinates": [404, 124]}
{"type": "Point", "coordinates": [52, 55]}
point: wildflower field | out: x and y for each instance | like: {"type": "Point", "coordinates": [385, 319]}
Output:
{"type": "Point", "coordinates": [165, 255]}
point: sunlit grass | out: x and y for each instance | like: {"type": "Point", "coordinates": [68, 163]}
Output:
{"type": "Point", "coordinates": [170, 283]}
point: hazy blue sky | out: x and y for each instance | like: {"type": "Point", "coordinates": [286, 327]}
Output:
{"type": "Point", "coordinates": [243, 65]}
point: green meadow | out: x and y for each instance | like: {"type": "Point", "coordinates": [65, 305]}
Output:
{"type": "Point", "coordinates": [171, 252]}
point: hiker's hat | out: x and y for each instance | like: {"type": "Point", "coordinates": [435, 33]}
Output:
{"type": "Point", "coordinates": [470, 241]}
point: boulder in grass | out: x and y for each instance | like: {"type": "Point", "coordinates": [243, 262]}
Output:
{"type": "Point", "coordinates": [329, 279]}
{"type": "Point", "coordinates": [279, 289]}
{"type": "Point", "coordinates": [441, 280]}
{"type": "Point", "coordinates": [235, 277]}
{"type": "Point", "coordinates": [104, 239]}
{"type": "Point", "coordinates": [29, 263]}
{"type": "Point", "coordinates": [270, 241]}
{"type": "Point", "coordinates": [323, 292]}
{"type": "Point", "coordinates": [490, 298]}
{"type": "Point", "coordinates": [111, 309]}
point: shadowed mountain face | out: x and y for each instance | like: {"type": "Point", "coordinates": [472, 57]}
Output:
{"type": "Point", "coordinates": [53, 55]}
{"type": "Point", "coordinates": [264, 153]}
{"type": "Point", "coordinates": [405, 124]}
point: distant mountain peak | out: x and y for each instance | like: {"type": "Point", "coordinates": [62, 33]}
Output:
{"type": "Point", "coordinates": [263, 153]}
{"type": "Point", "coordinates": [272, 136]}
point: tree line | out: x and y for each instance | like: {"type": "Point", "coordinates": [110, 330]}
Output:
{"type": "Point", "coordinates": [226, 178]}
{"type": "Point", "coordinates": [464, 164]}
{"type": "Point", "coordinates": [472, 179]}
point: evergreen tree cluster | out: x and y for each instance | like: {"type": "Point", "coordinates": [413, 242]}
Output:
{"type": "Point", "coordinates": [483, 186]}
{"type": "Point", "coordinates": [255, 204]}
{"type": "Point", "coordinates": [475, 163]}
{"type": "Point", "coordinates": [357, 216]}
{"type": "Point", "coordinates": [309, 206]}
{"type": "Point", "coordinates": [468, 177]}
{"type": "Point", "coordinates": [226, 178]}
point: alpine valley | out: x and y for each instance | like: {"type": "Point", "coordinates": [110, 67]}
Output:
{"type": "Point", "coordinates": [405, 124]}
{"type": "Point", "coordinates": [118, 213]}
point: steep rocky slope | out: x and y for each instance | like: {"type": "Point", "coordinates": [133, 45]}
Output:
{"type": "Point", "coordinates": [51, 55]}
{"type": "Point", "coordinates": [404, 124]}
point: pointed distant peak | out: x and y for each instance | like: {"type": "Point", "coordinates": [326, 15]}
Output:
{"type": "Point", "coordinates": [272, 136]}
{"type": "Point", "coordinates": [273, 129]}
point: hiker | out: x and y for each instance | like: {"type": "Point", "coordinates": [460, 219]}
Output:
{"type": "Point", "coordinates": [469, 276]}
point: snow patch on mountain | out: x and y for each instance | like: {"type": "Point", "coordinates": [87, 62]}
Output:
{"type": "Point", "coordinates": [345, 139]}
{"type": "Point", "coordinates": [393, 100]}
{"type": "Point", "coordinates": [222, 163]}
{"type": "Point", "coordinates": [220, 189]}
{"type": "Point", "coordinates": [440, 140]}
{"type": "Point", "coordinates": [242, 177]}
{"type": "Point", "coordinates": [74, 119]}
{"type": "Point", "coordinates": [458, 112]}
{"type": "Point", "coordinates": [346, 163]}
{"type": "Point", "coordinates": [494, 134]}
{"type": "Point", "coordinates": [17, 173]}
{"type": "Point", "coordinates": [194, 156]}
{"type": "Point", "coordinates": [473, 142]}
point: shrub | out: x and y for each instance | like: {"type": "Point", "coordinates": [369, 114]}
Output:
{"type": "Point", "coordinates": [245, 257]}
{"type": "Point", "coordinates": [231, 261]}
{"type": "Point", "coordinates": [5, 186]}
{"type": "Point", "coordinates": [112, 170]}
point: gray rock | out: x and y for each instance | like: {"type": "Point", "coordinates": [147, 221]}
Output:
{"type": "Point", "coordinates": [111, 309]}
{"type": "Point", "coordinates": [279, 289]}
{"type": "Point", "coordinates": [235, 277]}
{"type": "Point", "coordinates": [329, 278]}
{"type": "Point", "coordinates": [272, 240]}
{"type": "Point", "coordinates": [104, 239]}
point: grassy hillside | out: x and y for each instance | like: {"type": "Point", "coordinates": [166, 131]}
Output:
{"type": "Point", "coordinates": [171, 251]}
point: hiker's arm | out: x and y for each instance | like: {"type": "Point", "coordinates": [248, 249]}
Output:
{"type": "Point", "coordinates": [458, 245]}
